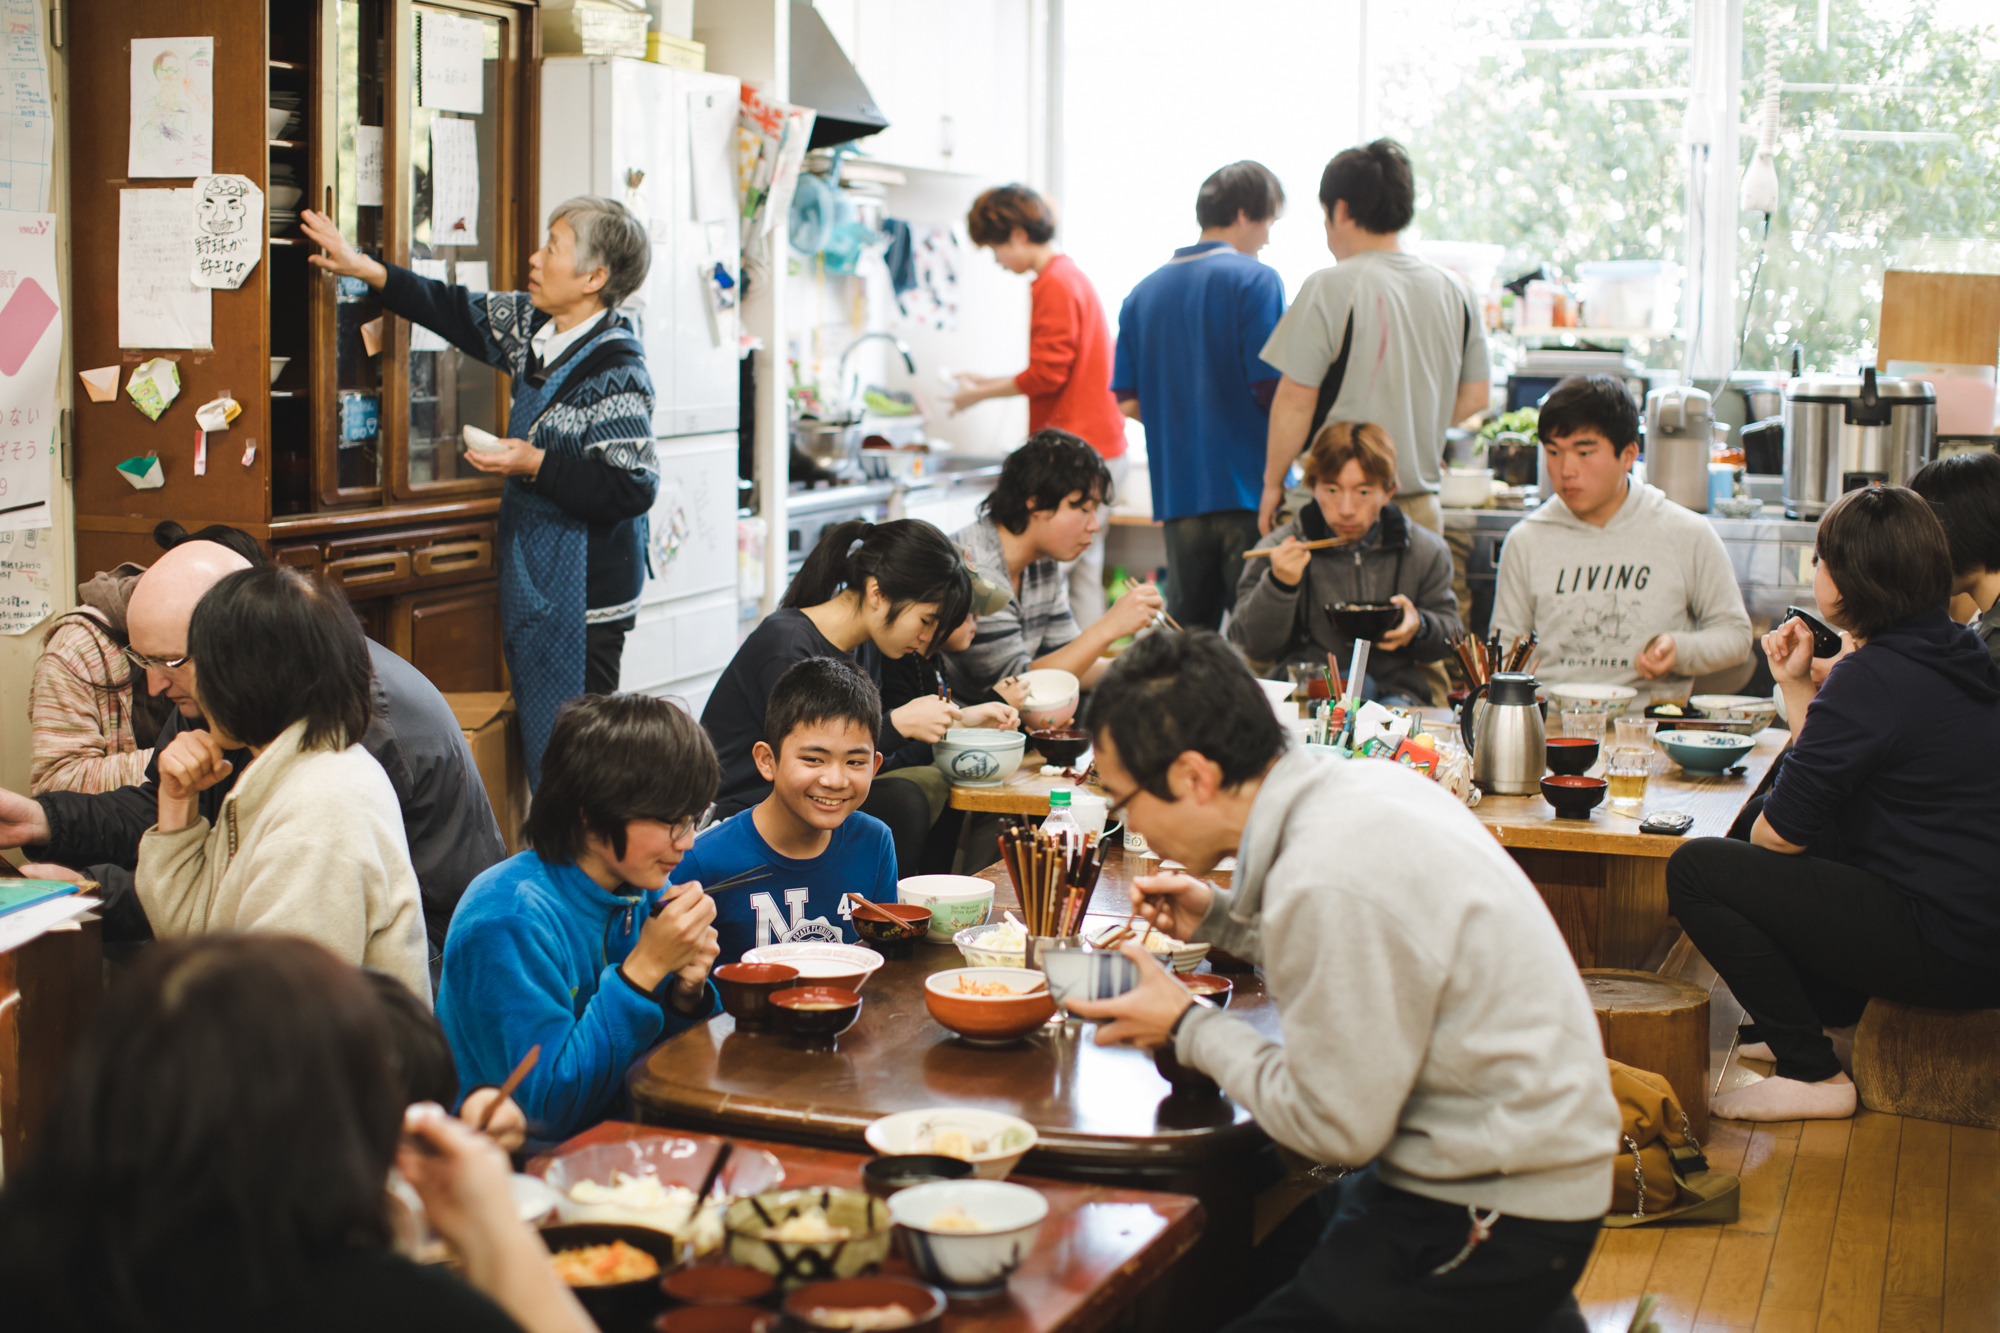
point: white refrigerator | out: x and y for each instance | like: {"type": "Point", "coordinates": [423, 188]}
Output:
{"type": "Point", "coordinates": [662, 141]}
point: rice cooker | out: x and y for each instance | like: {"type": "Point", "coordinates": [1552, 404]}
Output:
{"type": "Point", "coordinates": [1843, 432]}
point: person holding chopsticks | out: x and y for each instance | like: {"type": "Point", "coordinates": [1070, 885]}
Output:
{"type": "Point", "coordinates": [577, 946]}
{"type": "Point", "coordinates": [1437, 1038]}
{"type": "Point", "coordinates": [1351, 545]}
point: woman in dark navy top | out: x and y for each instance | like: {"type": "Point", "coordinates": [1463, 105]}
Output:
{"type": "Point", "coordinates": [1872, 869]}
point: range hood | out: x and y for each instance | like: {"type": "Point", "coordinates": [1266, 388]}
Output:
{"type": "Point", "coordinates": [824, 79]}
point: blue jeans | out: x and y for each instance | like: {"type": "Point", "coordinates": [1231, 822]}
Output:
{"type": "Point", "coordinates": [1374, 1266]}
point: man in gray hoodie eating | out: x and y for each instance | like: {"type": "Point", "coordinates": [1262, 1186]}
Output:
{"type": "Point", "coordinates": [1436, 1033]}
{"type": "Point", "coordinates": [1624, 586]}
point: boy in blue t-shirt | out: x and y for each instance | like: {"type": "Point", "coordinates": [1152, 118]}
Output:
{"type": "Point", "coordinates": [818, 754]}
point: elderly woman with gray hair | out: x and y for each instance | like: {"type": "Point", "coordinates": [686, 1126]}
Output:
{"type": "Point", "coordinates": [580, 468]}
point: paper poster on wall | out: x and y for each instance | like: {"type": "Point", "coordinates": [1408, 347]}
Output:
{"type": "Point", "coordinates": [421, 338]}
{"type": "Point", "coordinates": [157, 305]}
{"type": "Point", "coordinates": [228, 230]}
{"type": "Point", "coordinates": [173, 106]}
{"type": "Point", "coordinates": [368, 166]}
{"type": "Point", "coordinates": [454, 182]}
{"type": "Point", "coordinates": [451, 62]}
{"type": "Point", "coordinates": [31, 339]}
{"type": "Point", "coordinates": [712, 145]}
{"type": "Point", "coordinates": [27, 588]}
{"type": "Point", "coordinates": [27, 122]}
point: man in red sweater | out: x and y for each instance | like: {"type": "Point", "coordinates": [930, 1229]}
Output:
{"type": "Point", "coordinates": [1068, 379]}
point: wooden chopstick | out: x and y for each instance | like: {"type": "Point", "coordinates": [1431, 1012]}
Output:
{"type": "Point", "coordinates": [1319, 545]}
{"type": "Point", "coordinates": [507, 1088]}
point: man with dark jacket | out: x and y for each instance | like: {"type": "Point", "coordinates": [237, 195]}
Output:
{"type": "Point", "coordinates": [413, 735]}
{"type": "Point", "coordinates": [1283, 603]}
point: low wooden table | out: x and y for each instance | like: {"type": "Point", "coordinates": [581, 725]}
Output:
{"type": "Point", "coordinates": [1606, 882]}
{"type": "Point", "coordinates": [1098, 1250]}
{"type": "Point", "coordinates": [1103, 1114]}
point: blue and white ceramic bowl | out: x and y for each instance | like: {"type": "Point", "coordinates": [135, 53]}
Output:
{"type": "Point", "coordinates": [1093, 974]}
{"type": "Point", "coordinates": [1704, 751]}
{"type": "Point", "coordinates": [966, 1236]}
{"type": "Point", "coordinates": [979, 756]}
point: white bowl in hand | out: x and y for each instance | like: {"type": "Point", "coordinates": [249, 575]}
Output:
{"type": "Point", "coordinates": [1051, 699]}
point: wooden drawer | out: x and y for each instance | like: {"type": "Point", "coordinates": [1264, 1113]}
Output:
{"type": "Point", "coordinates": [397, 561]}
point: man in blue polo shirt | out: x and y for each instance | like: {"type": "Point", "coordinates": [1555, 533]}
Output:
{"type": "Point", "coordinates": [1187, 368]}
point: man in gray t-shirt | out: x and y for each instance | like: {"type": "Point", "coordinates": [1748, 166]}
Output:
{"type": "Point", "coordinates": [1382, 336]}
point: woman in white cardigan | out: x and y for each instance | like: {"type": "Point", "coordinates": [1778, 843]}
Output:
{"type": "Point", "coordinates": [310, 839]}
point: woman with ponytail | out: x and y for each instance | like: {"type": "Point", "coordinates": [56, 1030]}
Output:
{"type": "Point", "coordinates": [869, 593]}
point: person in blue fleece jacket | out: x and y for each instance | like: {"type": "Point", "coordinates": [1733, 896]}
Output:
{"type": "Point", "coordinates": [577, 946]}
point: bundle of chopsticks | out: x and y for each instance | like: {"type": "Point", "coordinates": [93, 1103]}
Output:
{"type": "Point", "coordinates": [1482, 661]}
{"type": "Point", "coordinates": [1053, 875]}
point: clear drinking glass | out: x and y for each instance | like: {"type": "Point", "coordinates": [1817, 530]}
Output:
{"type": "Point", "coordinates": [1626, 770]}
{"type": "Point", "coordinates": [1636, 732]}
{"type": "Point", "coordinates": [1585, 722]}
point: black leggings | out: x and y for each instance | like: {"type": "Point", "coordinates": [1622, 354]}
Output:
{"type": "Point", "coordinates": [604, 654]}
{"type": "Point", "coordinates": [1804, 943]}
{"type": "Point", "coordinates": [904, 808]}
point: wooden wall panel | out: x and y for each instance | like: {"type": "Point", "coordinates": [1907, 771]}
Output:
{"type": "Point", "coordinates": [107, 433]}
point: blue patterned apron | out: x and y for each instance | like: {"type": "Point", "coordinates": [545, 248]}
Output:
{"type": "Point", "coordinates": [544, 557]}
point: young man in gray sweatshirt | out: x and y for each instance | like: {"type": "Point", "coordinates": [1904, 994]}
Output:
{"type": "Point", "coordinates": [1624, 586]}
{"type": "Point", "coordinates": [1436, 1033]}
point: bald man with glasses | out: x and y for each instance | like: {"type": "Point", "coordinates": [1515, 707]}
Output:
{"type": "Point", "coordinates": [446, 817]}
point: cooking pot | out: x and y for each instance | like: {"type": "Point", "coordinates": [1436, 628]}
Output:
{"type": "Point", "coordinates": [829, 444]}
{"type": "Point", "coordinates": [1843, 432]}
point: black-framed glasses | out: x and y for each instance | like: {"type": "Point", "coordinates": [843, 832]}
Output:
{"type": "Point", "coordinates": [146, 662]}
{"type": "Point", "coordinates": [1116, 814]}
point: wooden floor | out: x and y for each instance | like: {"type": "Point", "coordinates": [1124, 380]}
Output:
{"type": "Point", "coordinates": [1848, 1226]}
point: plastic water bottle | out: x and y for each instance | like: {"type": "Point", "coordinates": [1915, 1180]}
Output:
{"type": "Point", "coordinates": [1061, 821]}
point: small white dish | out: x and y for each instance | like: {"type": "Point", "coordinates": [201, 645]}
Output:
{"type": "Point", "coordinates": [1002, 1140]}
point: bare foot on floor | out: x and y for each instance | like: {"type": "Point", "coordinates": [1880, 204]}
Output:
{"type": "Point", "coordinates": [1756, 1050]}
{"type": "Point", "coordinates": [1788, 1099]}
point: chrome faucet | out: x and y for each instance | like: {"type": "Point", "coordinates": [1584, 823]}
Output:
{"type": "Point", "coordinates": [852, 396]}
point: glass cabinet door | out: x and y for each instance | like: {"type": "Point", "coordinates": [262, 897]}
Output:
{"type": "Point", "coordinates": [457, 212]}
{"type": "Point", "coordinates": [352, 469]}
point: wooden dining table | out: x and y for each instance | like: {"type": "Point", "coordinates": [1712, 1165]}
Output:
{"type": "Point", "coordinates": [1098, 1249]}
{"type": "Point", "coordinates": [1103, 1114]}
{"type": "Point", "coordinates": [1604, 880]}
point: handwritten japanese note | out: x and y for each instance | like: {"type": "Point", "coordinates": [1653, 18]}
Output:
{"type": "Point", "coordinates": [454, 182]}
{"type": "Point", "coordinates": [368, 166]}
{"type": "Point", "coordinates": [27, 124]}
{"type": "Point", "coordinates": [31, 338]}
{"type": "Point", "coordinates": [228, 230]}
{"type": "Point", "coordinates": [157, 305]}
{"type": "Point", "coordinates": [451, 62]}
{"type": "Point", "coordinates": [26, 588]}
{"type": "Point", "coordinates": [173, 106]}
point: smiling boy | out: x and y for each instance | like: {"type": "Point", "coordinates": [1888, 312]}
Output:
{"type": "Point", "coordinates": [818, 754]}
{"type": "Point", "coordinates": [1624, 586]}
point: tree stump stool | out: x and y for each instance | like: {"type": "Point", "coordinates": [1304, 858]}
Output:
{"type": "Point", "coordinates": [1659, 1024]}
{"type": "Point", "coordinates": [1934, 1064]}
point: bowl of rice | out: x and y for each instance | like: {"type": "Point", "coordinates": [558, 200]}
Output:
{"type": "Point", "coordinates": [1001, 944]}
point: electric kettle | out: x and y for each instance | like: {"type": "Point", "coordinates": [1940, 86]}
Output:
{"type": "Point", "coordinates": [1509, 747]}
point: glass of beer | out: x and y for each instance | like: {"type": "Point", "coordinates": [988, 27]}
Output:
{"type": "Point", "coordinates": [1626, 769]}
